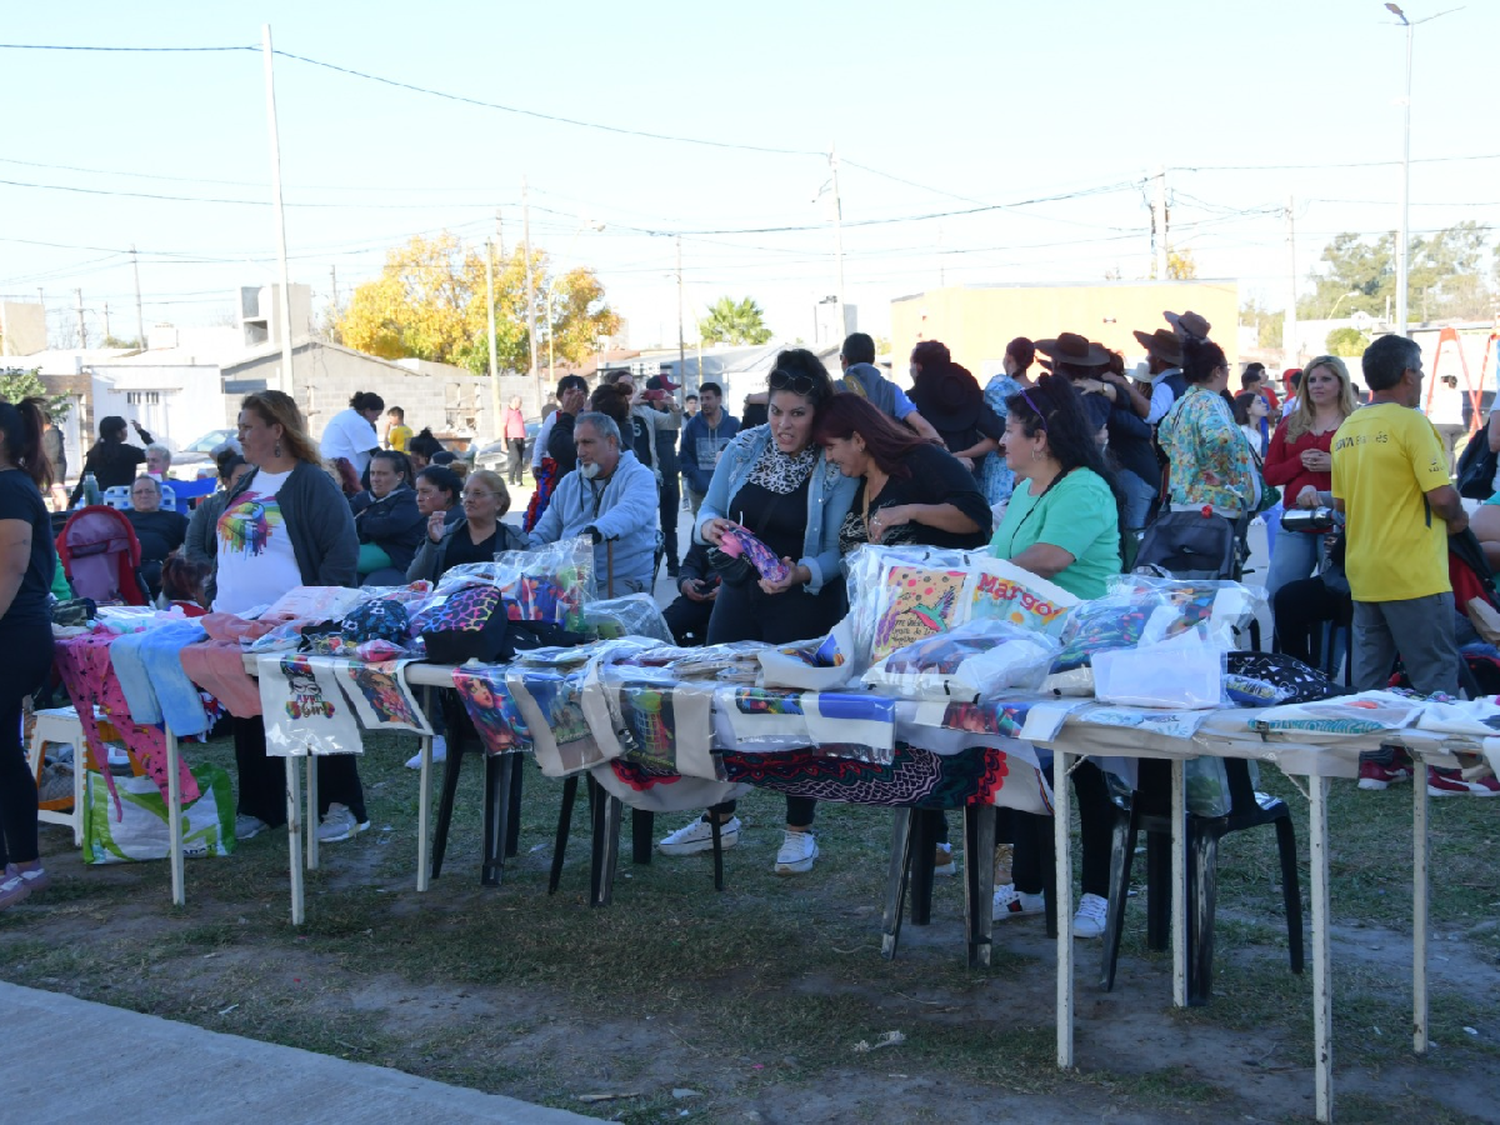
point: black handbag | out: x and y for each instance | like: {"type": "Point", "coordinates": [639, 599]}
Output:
{"type": "Point", "coordinates": [735, 570]}
{"type": "Point", "coordinates": [1191, 545]}
{"type": "Point", "coordinates": [1476, 468]}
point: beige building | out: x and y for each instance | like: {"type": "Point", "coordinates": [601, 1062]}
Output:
{"type": "Point", "coordinates": [977, 321]}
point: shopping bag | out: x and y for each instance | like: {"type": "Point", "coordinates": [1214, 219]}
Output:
{"type": "Point", "coordinates": [140, 830]}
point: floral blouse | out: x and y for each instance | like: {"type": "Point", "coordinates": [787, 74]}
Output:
{"type": "Point", "coordinates": [1211, 460]}
{"type": "Point", "coordinates": [996, 480]}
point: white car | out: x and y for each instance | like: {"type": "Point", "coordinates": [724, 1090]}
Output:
{"type": "Point", "coordinates": [195, 460]}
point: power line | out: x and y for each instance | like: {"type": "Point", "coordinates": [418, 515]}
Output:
{"type": "Point", "coordinates": [1324, 167]}
{"type": "Point", "coordinates": [121, 50]}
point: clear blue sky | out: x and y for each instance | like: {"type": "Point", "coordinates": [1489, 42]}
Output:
{"type": "Point", "coordinates": [974, 103]}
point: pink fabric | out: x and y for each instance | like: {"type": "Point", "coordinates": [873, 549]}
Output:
{"type": "Point", "coordinates": [90, 679]}
{"type": "Point", "coordinates": [218, 667]}
{"type": "Point", "coordinates": [229, 627]}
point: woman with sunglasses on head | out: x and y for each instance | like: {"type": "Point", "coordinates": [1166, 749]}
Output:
{"type": "Point", "coordinates": [478, 537]}
{"type": "Point", "coordinates": [1300, 463]}
{"type": "Point", "coordinates": [1062, 523]}
{"type": "Point", "coordinates": [775, 482]}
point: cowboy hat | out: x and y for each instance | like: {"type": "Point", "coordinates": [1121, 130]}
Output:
{"type": "Point", "coordinates": [1069, 347]}
{"type": "Point", "coordinates": [1163, 344]}
{"type": "Point", "coordinates": [1188, 325]}
{"type": "Point", "coordinates": [949, 398]}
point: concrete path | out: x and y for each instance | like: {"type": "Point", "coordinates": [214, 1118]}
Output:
{"type": "Point", "coordinates": [73, 1060]}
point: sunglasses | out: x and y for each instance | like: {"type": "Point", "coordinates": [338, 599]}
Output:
{"type": "Point", "coordinates": [785, 381]}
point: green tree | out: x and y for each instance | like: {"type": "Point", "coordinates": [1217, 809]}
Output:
{"type": "Point", "coordinates": [1348, 342]}
{"type": "Point", "coordinates": [731, 322]}
{"type": "Point", "coordinates": [17, 383]}
{"type": "Point", "coordinates": [429, 302]}
{"type": "Point", "coordinates": [1444, 282]}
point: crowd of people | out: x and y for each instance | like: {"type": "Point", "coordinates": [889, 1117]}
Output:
{"type": "Point", "coordinates": [1058, 464]}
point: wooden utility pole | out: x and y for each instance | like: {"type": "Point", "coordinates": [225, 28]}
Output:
{"type": "Point", "coordinates": [83, 332]}
{"type": "Point", "coordinates": [1159, 222]}
{"type": "Point", "coordinates": [681, 341]}
{"type": "Point", "coordinates": [536, 373]}
{"type": "Point", "coordinates": [140, 317]}
{"type": "Point", "coordinates": [489, 292]}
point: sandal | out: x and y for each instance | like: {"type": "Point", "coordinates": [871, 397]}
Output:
{"type": "Point", "coordinates": [21, 884]}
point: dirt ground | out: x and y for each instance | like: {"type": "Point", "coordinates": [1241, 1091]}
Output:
{"type": "Point", "coordinates": [978, 1045]}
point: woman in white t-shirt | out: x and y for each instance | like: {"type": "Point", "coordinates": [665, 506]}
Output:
{"type": "Point", "coordinates": [286, 524]}
{"type": "Point", "coordinates": [350, 434]}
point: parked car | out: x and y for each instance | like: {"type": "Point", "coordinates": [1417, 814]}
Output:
{"type": "Point", "coordinates": [496, 455]}
{"type": "Point", "coordinates": [195, 460]}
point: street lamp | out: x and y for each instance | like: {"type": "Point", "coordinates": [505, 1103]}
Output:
{"type": "Point", "coordinates": [593, 225]}
{"type": "Point", "coordinates": [1402, 245]}
{"type": "Point", "coordinates": [1342, 298]}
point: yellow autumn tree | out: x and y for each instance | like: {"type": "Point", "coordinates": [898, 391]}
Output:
{"type": "Point", "coordinates": [429, 302]}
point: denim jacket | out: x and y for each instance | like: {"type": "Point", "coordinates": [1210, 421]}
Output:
{"type": "Point", "coordinates": [829, 495]}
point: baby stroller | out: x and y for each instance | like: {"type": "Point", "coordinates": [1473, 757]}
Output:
{"type": "Point", "coordinates": [102, 557]}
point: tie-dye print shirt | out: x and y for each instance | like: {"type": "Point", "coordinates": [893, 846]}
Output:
{"type": "Point", "coordinates": [256, 562]}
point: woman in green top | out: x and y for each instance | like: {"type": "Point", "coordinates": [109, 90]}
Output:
{"type": "Point", "coordinates": [1063, 523]}
{"type": "Point", "coordinates": [1063, 519]}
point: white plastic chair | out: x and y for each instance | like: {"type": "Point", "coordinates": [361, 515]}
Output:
{"type": "Point", "coordinates": [60, 725]}
{"type": "Point", "coordinates": [118, 497]}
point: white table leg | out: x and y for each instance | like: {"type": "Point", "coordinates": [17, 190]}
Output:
{"type": "Point", "coordinates": [424, 817]}
{"type": "Point", "coordinates": [294, 838]}
{"type": "Point", "coordinates": [174, 818]}
{"type": "Point", "coordinates": [1419, 907]}
{"type": "Point", "coordinates": [1062, 827]}
{"type": "Point", "coordinates": [312, 812]}
{"type": "Point", "coordinates": [1179, 883]}
{"type": "Point", "coordinates": [1317, 833]}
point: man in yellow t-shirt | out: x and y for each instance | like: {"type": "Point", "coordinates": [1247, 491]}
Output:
{"type": "Point", "coordinates": [1390, 479]}
{"type": "Point", "coordinates": [397, 432]}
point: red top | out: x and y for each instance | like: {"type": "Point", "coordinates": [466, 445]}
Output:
{"type": "Point", "coordinates": [1283, 466]}
{"type": "Point", "coordinates": [514, 425]}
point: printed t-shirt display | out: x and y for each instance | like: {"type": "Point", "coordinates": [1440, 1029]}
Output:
{"type": "Point", "coordinates": [256, 561]}
{"type": "Point", "coordinates": [1078, 514]}
{"type": "Point", "coordinates": [1385, 458]}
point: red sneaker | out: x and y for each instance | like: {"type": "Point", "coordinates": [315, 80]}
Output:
{"type": "Point", "coordinates": [1450, 783]}
{"type": "Point", "coordinates": [1374, 775]}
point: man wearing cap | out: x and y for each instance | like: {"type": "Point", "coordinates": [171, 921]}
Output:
{"type": "Point", "coordinates": [1089, 367]}
{"type": "Point", "coordinates": [667, 465]}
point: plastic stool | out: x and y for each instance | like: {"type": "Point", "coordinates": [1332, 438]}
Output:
{"type": "Point", "coordinates": [57, 726]}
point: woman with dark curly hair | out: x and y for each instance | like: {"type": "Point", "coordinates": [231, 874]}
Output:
{"type": "Point", "coordinates": [1063, 523]}
{"type": "Point", "coordinates": [775, 481]}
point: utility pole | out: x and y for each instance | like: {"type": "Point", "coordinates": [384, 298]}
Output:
{"type": "Point", "coordinates": [279, 212]}
{"type": "Point", "coordinates": [140, 317]}
{"type": "Point", "coordinates": [489, 292]}
{"type": "Point", "coordinates": [106, 321]}
{"type": "Point", "coordinates": [1289, 349]}
{"type": "Point", "coordinates": [499, 236]}
{"type": "Point", "coordinates": [681, 343]}
{"type": "Point", "coordinates": [83, 332]}
{"type": "Point", "coordinates": [333, 281]}
{"type": "Point", "coordinates": [536, 373]}
{"type": "Point", "coordinates": [1402, 248]}
{"type": "Point", "coordinates": [838, 235]}
{"type": "Point", "coordinates": [1159, 222]}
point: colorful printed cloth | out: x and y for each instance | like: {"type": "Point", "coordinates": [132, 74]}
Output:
{"type": "Point", "coordinates": [492, 709]}
{"type": "Point", "coordinates": [84, 664]}
{"type": "Point", "coordinates": [304, 707]}
{"type": "Point", "coordinates": [381, 696]}
{"type": "Point", "coordinates": [1211, 460]}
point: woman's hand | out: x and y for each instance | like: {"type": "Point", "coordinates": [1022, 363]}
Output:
{"type": "Point", "coordinates": [435, 527]}
{"type": "Point", "coordinates": [885, 519]}
{"type": "Point", "coordinates": [967, 462]}
{"type": "Point", "coordinates": [714, 529]}
{"type": "Point", "coordinates": [1316, 461]}
{"type": "Point", "coordinates": [796, 576]}
{"type": "Point", "coordinates": [1308, 497]}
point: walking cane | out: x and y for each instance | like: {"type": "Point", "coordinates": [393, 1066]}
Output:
{"type": "Point", "coordinates": [609, 565]}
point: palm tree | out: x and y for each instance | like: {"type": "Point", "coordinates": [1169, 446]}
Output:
{"type": "Point", "coordinates": [731, 322]}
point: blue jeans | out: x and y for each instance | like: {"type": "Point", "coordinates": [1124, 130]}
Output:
{"type": "Point", "coordinates": [1296, 554]}
{"type": "Point", "coordinates": [1138, 496]}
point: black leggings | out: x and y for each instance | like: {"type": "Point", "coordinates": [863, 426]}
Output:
{"type": "Point", "coordinates": [25, 657]}
{"type": "Point", "coordinates": [263, 778]}
{"type": "Point", "coordinates": [1035, 841]}
{"type": "Point", "coordinates": [748, 613]}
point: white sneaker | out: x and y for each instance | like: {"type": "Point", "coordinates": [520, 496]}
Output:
{"type": "Point", "coordinates": [439, 754]}
{"type": "Point", "coordinates": [247, 827]}
{"type": "Point", "coordinates": [943, 862]}
{"type": "Point", "coordinates": [339, 824]}
{"type": "Point", "coordinates": [1089, 921]}
{"type": "Point", "coordinates": [1011, 903]}
{"type": "Point", "coordinates": [798, 851]}
{"type": "Point", "coordinates": [698, 836]}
